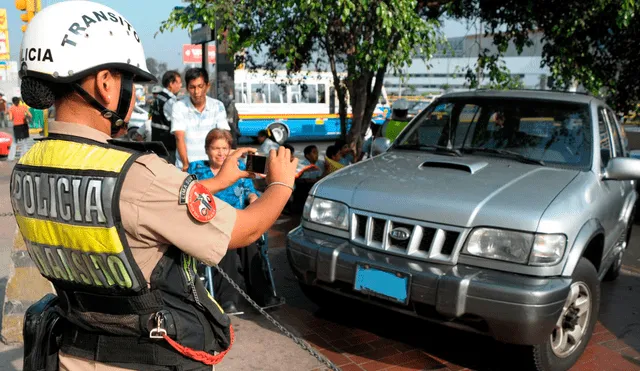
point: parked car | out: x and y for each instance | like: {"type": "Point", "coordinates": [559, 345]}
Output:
{"type": "Point", "coordinates": [139, 125]}
{"type": "Point", "coordinates": [495, 212]}
{"type": "Point", "coordinates": [5, 144]}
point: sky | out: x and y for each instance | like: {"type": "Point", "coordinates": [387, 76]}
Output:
{"type": "Point", "coordinates": [146, 16]}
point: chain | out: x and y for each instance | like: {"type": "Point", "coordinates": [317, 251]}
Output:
{"type": "Point", "coordinates": [298, 341]}
{"type": "Point", "coordinates": [4, 215]}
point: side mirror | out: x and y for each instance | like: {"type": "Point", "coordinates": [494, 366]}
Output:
{"type": "Point", "coordinates": [380, 145]}
{"type": "Point", "coordinates": [622, 168]}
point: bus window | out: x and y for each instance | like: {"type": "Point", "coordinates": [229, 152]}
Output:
{"type": "Point", "coordinates": [241, 96]}
{"type": "Point", "coordinates": [276, 94]}
{"type": "Point", "coordinates": [310, 94]}
{"type": "Point", "coordinates": [295, 94]}
{"type": "Point", "coordinates": [322, 91]}
{"type": "Point", "coordinates": [258, 93]}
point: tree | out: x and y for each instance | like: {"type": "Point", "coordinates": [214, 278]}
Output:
{"type": "Point", "coordinates": [591, 42]}
{"type": "Point", "coordinates": [155, 68]}
{"type": "Point", "coordinates": [364, 38]}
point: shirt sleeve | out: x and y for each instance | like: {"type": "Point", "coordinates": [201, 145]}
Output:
{"type": "Point", "coordinates": [153, 216]}
{"type": "Point", "coordinates": [168, 108]}
{"type": "Point", "coordinates": [178, 117]}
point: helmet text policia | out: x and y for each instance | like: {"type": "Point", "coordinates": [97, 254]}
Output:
{"type": "Point", "coordinates": [70, 40]}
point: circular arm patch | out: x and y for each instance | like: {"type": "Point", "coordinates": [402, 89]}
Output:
{"type": "Point", "coordinates": [200, 203]}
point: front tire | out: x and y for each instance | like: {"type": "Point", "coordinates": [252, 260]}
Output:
{"type": "Point", "coordinates": [575, 326]}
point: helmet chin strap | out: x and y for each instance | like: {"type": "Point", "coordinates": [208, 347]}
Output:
{"type": "Point", "coordinates": [116, 118]}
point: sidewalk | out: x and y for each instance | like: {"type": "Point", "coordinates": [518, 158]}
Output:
{"type": "Point", "coordinates": [259, 345]}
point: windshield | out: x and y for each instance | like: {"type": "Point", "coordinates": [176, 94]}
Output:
{"type": "Point", "coordinates": [547, 132]}
{"type": "Point", "coordinates": [419, 106]}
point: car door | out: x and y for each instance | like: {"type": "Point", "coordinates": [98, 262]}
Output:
{"type": "Point", "coordinates": [620, 141]}
{"type": "Point", "coordinates": [613, 192]}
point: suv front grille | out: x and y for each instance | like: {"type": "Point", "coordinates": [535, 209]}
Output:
{"type": "Point", "coordinates": [420, 240]}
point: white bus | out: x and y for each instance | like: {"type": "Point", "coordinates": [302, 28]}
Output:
{"type": "Point", "coordinates": [300, 107]}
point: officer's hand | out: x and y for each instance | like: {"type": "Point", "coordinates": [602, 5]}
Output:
{"type": "Point", "coordinates": [230, 172]}
{"type": "Point", "coordinates": [281, 166]}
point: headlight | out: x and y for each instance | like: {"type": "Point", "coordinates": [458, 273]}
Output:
{"type": "Point", "coordinates": [548, 249]}
{"type": "Point", "coordinates": [516, 247]}
{"type": "Point", "coordinates": [330, 213]}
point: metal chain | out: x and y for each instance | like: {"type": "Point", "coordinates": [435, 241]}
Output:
{"type": "Point", "coordinates": [4, 215]}
{"type": "Point", "coordinates": [298, 341]}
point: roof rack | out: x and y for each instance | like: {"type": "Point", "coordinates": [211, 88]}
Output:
{"type": "Point", "coordinates": [540, 90]}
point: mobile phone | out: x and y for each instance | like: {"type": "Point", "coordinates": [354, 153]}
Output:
{"type": "Point", "coordinates": [256, 163]}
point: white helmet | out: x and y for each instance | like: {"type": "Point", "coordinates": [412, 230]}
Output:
{"type": "Point", "coordinates": [156, 89]}
{"type": "Point", "coordinates": [70, 40]}
{"type": "Point", "coordinates": [400, 105]}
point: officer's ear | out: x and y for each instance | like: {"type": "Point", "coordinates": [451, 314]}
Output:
{"type": "Point", "coordinates": [107, 88]}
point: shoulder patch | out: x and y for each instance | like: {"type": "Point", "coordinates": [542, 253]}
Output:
{"type": "Point", "coordinates": [185, 187]}
{"type": "Point", "coordinates": [200, 203]}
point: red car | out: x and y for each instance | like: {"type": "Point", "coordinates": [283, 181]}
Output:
{"type": "Point", "coordinates": [5, 144]}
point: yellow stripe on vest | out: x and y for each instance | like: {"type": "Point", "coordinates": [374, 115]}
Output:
{"type": "Point", "coordinates": [65, 155]}
{"type": "Point", "coordinates": [98, 240]}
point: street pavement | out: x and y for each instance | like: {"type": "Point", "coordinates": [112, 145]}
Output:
{"type": "Point", "coordinates": [392, 341]}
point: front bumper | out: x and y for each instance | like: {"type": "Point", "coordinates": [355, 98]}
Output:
{"type": "Point", "coordinates": [509, 307]}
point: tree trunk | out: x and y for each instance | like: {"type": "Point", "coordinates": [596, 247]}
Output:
{"type": "Point", "coordinates": [365, 94]}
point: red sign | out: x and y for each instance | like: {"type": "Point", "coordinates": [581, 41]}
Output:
{"type": "Point", "coordinates": [193, 54]}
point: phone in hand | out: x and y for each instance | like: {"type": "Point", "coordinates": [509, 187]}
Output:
{"type": "Point", "coordinates": [256, 163]}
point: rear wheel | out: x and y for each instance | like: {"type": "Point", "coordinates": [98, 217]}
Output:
{"type": "Point", "coordinates": [279, 133]}
{"type": "Point", "coordinates": [574, 327]}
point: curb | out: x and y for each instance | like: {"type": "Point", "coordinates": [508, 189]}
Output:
{"type": "Point", "coordinates": [24, 287]}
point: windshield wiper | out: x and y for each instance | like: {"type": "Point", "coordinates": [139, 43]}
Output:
{"type": "Point", "coordinates": [512, 154]}
{"type": "Point", "coordinates": [439, 149]}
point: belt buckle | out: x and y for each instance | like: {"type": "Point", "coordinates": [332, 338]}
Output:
{"type": "Point", "coordinates": [158, 332]}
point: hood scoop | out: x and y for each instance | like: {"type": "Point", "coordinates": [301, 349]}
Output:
{"type": "Point", "coordinates": [470, 168]}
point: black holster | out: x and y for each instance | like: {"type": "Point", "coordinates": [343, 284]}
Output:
{"type": "Point", "coordinates": [41, 338]}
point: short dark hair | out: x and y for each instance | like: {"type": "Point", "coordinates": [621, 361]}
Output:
{"type": "Point", "coordinates": [332, 151]}
{"type": "Point", "coordinates": [15, 100]}
{"type": "Point", "coordinates": [339, 144]}
{"type": "Point", "coordinates": [194, 73]}
{"type": "Point", "coordinates": [309, 149]}
{"type": "Point", "coordinates": [169, 78]}
{"type": "Point", "coordinates": [263, 133]}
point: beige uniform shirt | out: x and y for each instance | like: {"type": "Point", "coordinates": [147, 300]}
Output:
{"type": "Point", "coordinates": [153, 219]}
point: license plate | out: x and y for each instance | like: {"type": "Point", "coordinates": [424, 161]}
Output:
{"type": "Point", "coordinates": [383, 283]}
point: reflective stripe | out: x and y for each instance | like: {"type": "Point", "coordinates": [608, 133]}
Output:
{"type": "Point", "coordinates": [72, 155]}
{"type": "Point", "coordinates": [65, 198]}
{"type": "Point", "coordinates": [160, 126]}
{"type": "Point", "coordinates": [81, 238]}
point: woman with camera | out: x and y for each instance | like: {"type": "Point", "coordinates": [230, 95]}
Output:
{"type": "Point", "coordinates": [242, 193]}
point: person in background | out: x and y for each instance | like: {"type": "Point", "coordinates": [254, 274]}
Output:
{"type": "Point", "coordinates": [194, 116]}
{"type": "Point", "coordinates": [239, 195]}
{"type": "Point", "coordinates": [18, 114]}
{"type": "Point", "coordinates": [347, 154]}
{"type": "Point", "coordinates": [310, 170]}
{"type": "Point", "coordinates": [162, 110]}
{"type": "Point", "coordinates": [266, 143]}
{"type": "Point", "coordinates": [332, 160]}
{"type": "Point", "coordinates": [3, 112]}
{"type": "Point", "coordinates": [367, 147]}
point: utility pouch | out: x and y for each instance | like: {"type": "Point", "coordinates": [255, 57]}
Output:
{"type": "Point", "coordinates": [41, 340]}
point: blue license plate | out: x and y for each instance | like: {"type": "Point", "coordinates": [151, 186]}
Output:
{"type": "Point", "coordinates": [389, 285]}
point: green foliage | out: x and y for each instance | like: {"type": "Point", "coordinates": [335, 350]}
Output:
{"type": "Point", "coordinates": [363, 38]}
{"type": "Point", "coordinates": [591, 42]}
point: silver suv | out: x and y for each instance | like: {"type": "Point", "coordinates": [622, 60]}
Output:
{"type": "Point", "coordinates": [496, 212]}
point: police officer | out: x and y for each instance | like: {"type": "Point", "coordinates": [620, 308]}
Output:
{"type": "Point", "coordinates": [399, 119]}
{"type": "Point", "coordinates": [161, 112]}
{"type": "Point", "coordinates": [118, 231]}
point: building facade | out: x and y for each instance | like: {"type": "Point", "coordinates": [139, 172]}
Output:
{"type": "Point", "coordinates": [446, 71]}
